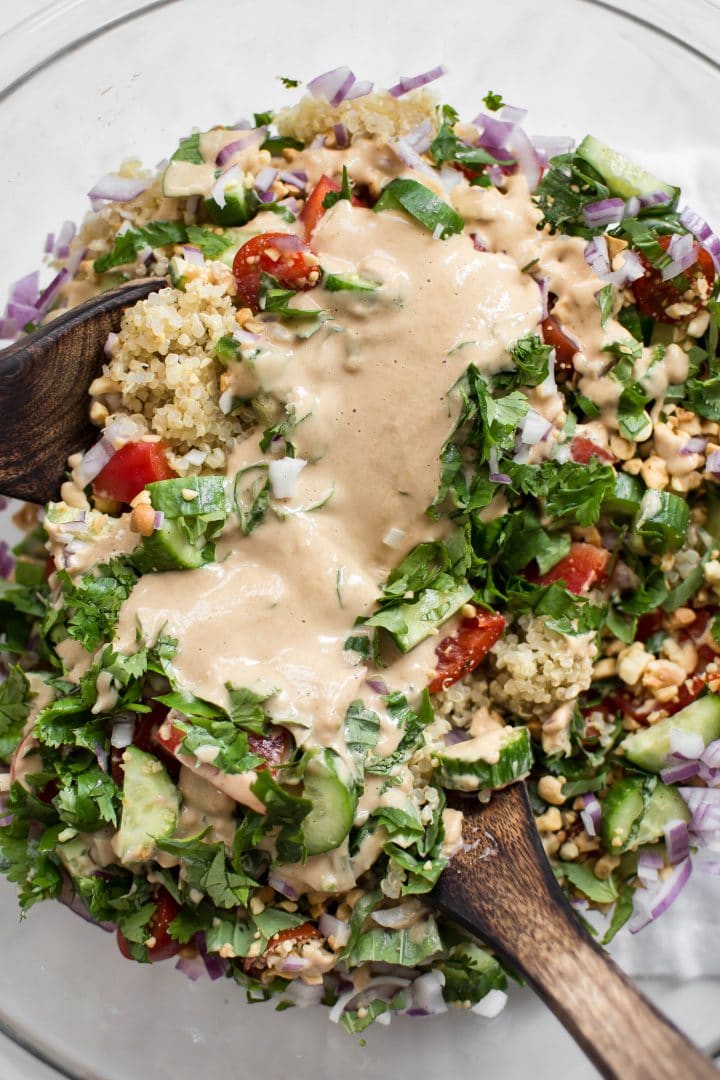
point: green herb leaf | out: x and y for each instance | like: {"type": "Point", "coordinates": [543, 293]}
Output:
{"type": "Point", "coordinates": [422, 204]}
{"type": "Point", "coordinates": [189, 150]}
{"type": "Point", "coordinates": [155, 234]}
{"type": "Point", "coordinates": [14, 710]}
{"type": "Point", "coordinates": [584, 880]}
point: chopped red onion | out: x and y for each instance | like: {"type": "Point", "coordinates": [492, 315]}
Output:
{"type": "Point", "coordinates": [283, 887]}
{"type": "Point", "coordinates": [491, 1005]}
{"type": "Point", "coordinates": [25, 291]}
{"type": "Point", "coordinates": [496, 476]}
{"type": "Point", "coordinates": [696, 445]}
{"type": "Point", "coordinates": [342, 138]}
{"type": "Point", "coordinates": [122, 733]}
{"type": "Point", "coordinates": [655, 198]}
{"type": "Point", "coordinates": [395, 917]}
{"type": "Point", "coordinates": [245, 337]}
{"type": "Point", "coordinates": [687, 745]}
{"type": "Point", "coordinates": [7, 561]}
{"type": "Point", "coordinates": [512, 114]}
{"type": "Point", "coordinates": [412, 159]}
{"type": "Point", "coordinates": [450, 738]}
{"type": "Point", "coordinates": [193, 254]}
{"type": "Point", "coordinates": [408, 83]}
{"type": "Point", "coordinates": [425, 995]}
{"type": "Point", "coordinates": [649, 862]}
{"type": "Point", "coordinates": [420, 137]}
{"type": "Point", "coordinates": [713, 463]}
{"type": "Point", "coordinates": [535, 428]}
{"type": "Point", "coordinates": [337, 929]}
{"type": "Point", "coordinates": [591, 815]}
{"type": "Point", "coordinates": [233, 175]}
{"type": "Point", "coordinates": [101, 756]}
{"type": "Point", "coordinates": [603, 212]}
{"type": "Point", "coordinates": [64, 239]}
{"type": "Point", "coordinates": [372, 985]}
{"type": "Point", "coordinates": [253, 138]}
{"type": "Point", "coordinates": [215, 965]}
{"type": "Point", "coordinates": [94, 462]}
{"type": "Point", "coordinates": [675, 774]}
{"type": "Point", "coordinates": [49, 243]}
{"type": "Point", "coordinates": [542, 283]}
{"type": "Point", "coordinates": [553, 145]}
{"type": "Point", "coordinates": [158, 520]}
{"type": "Point", "coordinates": [526, 156]}
{"type": "Point", "coordinates": [711, 754]}
{"type": "Point", "coordinates": [702, 233]}
{"type": "Point", "coordinates": [683, 255]}
{"type": "Point", "coordinates": [118, 188]}
{"type": "Point", "coordinates": [496, 175]}
{"type": "Point", "coordinates": [22, 313]}
{"type": "Point", "coordinates": [597, 257]}
{"type": "Point", "coordinates": [297, 178]}
{"type": "Point", "coordinates": [677, 841]}
{"type": "Point", "coordinates": [74, 260]}
{"type": "Point", "coordinates": [264, 179]}
{"type": "Point", "coordinates": [192, 967]}
{"type": "Point", "coordinates": [478, 242]}
{"type": "Point", "coordinates": [50, 294]}
{"type": "Point", "coordinates": [333, 85]}
{"type": "Point", "coordinates": [293, 965]}
{"type": "Point", "coordinates": [632, 207]}
{"type": "Point", "coordinates": [378, 685]}
{"type": "Point", "coordinates": [359, 89]}
{"type": "Point", "coordinates": [659, 899]}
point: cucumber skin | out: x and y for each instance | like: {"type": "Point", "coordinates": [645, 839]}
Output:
{"type": "Point", "coordinates": [623, 177]}
{"type": "Point", "coordinates": [516, 760]}
{"type": "Point", "coordinates": [167, 549]}
{"type": "Point", "coordinates": [649, 748]}
{"type": "Point", "coordinates": [665, 804]}
{"type": "Point", "coordinates": [331, 816]}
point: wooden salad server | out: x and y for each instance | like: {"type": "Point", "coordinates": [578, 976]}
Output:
{"type": "Point", "coordinates": [44, 380]}
{"type": "Point", "coordinates": [501, 888]}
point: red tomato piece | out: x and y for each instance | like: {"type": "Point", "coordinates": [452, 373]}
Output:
{"type": "Point", "coordinates": [130, 470]}
{"type": "Point", "coordinates": [255, 965]}
{"type": "Point", "coordinates": [313, 209]}
{"type": "Point", "coordinates": [583, 450]}
{"type": "Point", "coordinates": [461, 652]}
{"type": "Point", "coordinates": [165, 911]}
{"type": "Point", "coordinates": [565, 348]}
{"type": "Point", "coordinates": [169, 737]}
{"type": "Point", "coordinates": [584, 566]}
{"type": "Point", "coordinates": [283, 255]}
{"type": "Point", "coordinates": [649, 624]}
{"type": "Point", "coordinates": [653, 296]}
{"type": "Point", "coordinates": [275, 745]}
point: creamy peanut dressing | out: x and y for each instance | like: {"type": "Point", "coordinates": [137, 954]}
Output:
{"type": "Point", "coordinates": [276, 609]}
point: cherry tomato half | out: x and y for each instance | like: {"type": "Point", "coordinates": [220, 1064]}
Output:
{"type": "Point", "coordinates": [583, 450]}
{"type": "Point", "coordinates": [653, 296]}
{"type": "Point", "coordinates": [584, 566]}
{"type": "Point", "coordinates": [165, 911]}
{"type": "Point", "coordinates": [565, 348]}
{"type": "Point", "coordinates": [130, 469]}
{"type": "Point", "coordinates": [283, 255]}
{"type": "Point", "coordinates": [461, 652]}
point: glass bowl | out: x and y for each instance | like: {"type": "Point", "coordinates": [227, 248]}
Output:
{"type": "Point", "coordinates": [86, 83]}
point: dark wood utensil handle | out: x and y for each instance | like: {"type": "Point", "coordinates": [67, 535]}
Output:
{"type": "Point", "coordinates": [44, 380]}
{"type": "Point", "coordinates": [518, 908]}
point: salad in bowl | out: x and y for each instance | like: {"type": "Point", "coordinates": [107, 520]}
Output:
{"type": "Point", "coordinates": [405, 483]}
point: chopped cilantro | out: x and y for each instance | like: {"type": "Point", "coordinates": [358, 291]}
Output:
{"type": "Point", "coordinates": [422, 204]}
{"type": "Point", "coordinates": [493, 101]}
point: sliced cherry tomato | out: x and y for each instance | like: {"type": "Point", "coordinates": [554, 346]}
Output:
{"type": "Point", "coordinates": [283, 255]}
{"type": "Point", "coordinates": [584, 566]}
{"type": "Point", "coordinates": [565, 348]}
{"type": "Point", "coordinates": [313, 209]}
{"type": "Point", "coordinates": [254, 965]}
{"type": "Point", "coordinates": [648, 624]}
{"type": "Point", "coordinates": [169, 737]}
{"type": "Point", "coordinates": [583, 450]}
{"type": "Point", "coordinates": [461, 652]}
{"type": "Point", "coordinates": [165, 911]}
{"type": "Point", "coordinates": [653, 296]}
{"type": "Point", "coordinates": [130, 469]}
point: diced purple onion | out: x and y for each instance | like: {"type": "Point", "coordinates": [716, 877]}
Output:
{"type": "Point", "coordinates": [712, 463]}
{"type": "Point", "coordinates": [193, 254]}
{"type": "Point", "coordinates": [342, 138]}
{"type": "Point", "coordinates": [359, 89]}
{"type": "Point", "coordinates": [378, 685]}
{"type": "Point", "coordinates": [118, 188]}
{"type": "Point", "coordinates": [122, 733]}
{"type": "Point", "coordinates": [333, 85]}
{"type": "Point", "coordinates": [337, 929]}
{"type": "Point", "coordinates": [22, 313]}
{"type": "Point", "coordinates": [245, 337]}
{"type": "Point", "coordinates": [101, 756]}
{"type": "Point", "coordinates": [659, 899]}
{"type": "Point", "coordinates": [253, 138]}
{"type": "Point", "coordinates": [267, 197]}
{"type": "Point", "coordinates": [711, 754]}
{"type": "Point", "coordinates": [303, 995]}
{"type": "Point", "coordinates": [49, 295]}
{"type": "Point", "coordinates": [216, 966]}
{"type": "Point", "coordinates": [290, 203]}
{"type": "Point", "coordinates": [7, 562]}
{"type": "Point", "coordinates": [264, 179]}
{"type": "Point", "coordinates": [74, 259]}
{"type": "Point", "coordinates": [683, 255]}
{"type": "Point", "coordinates": [26, 290]}
{"type": "Point", "coordinates": [495, 475]}
{"type": "Point", "coordinates": [424, 995]}
{"type": "Point", "coordinates": [702, 233]}
{"type": "Point", "coordinates": [64, 239]}
{"type": "Point", "coordinates": [158, 520]}
{"type": "Point", "coordinates": [293, 965]}
{"type": "Point", "coordinates": [649, 862]}
{"type": "Point", "coordinates": [406, 83]}
{"type": "Point", "coordinates": [232, 175]}
{"type": "Point", "coordinates": [411, 158]}
{"type": "Point", "coordinates": [526, 156]}
{"type": "Point", "coordinates": [696, 445]}
{"type": "Point", "coordinates": [535, 428]}
{"type": "Point", "coordinates": [192, 967]}
{"type": "Point", "coordinates": [420, 137]}
{"type": "Point", "coordinates": [280, 885]}
{"type": "Point", "coordinates": [451, 738]}
{"type": "Point", "coordinates": [513, 114]}
{"type": "Point", "coordinates": [390, 983]}
{"type": "Point", "coordinates": [591, 815]}
{"type": "Point", "coordinates": [553, 145]}
{"type": "Point", "coordinates": [94, 461]}
{"type": "Point", "coordinates": [677, 841]}
{"type": "Point", "coordinates": [478, 242]}
{"type": "Point", "coordinates": [603, 212]}
{"type": "Point", "coordinates": [655, 198]}
{"type": "Point", "coordinates": [49, 243]}
{"type": "Point", "coordinates": [676, 774]}
{"type": "Point", "coordinates": [542, 283]}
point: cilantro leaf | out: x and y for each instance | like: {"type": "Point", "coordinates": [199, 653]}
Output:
{"type": "Point", "coordinates": [567, 187]}
{"type": "Point", "coordinates": [289, 84]}
{"type": "Point", "coordinates": [155, 234]}
{"type": "Point", "coordinates": [211, 244]}
{"type": "Point", "coordinates": [92, 604]}
{"type": "Point", "coordinates": [35, 872]}
{"type": "Point", "coordinates": [493, 101]}
{"type": "Point", "coordinates": [362, 729]}
{"type": "Point", "coordinates": [422, 204]}
{"type": "Point", "coordinates": [584, 880]}
{"type": "Point", "coordinates": [345, 191]}
{"type": "Point", "coordinates": [572, 492]}
{"type": "Point", "coordinates": [189, 150]}
{"type": "Point", "coordinates": [284, 810]}
{"type": "Point", "coordinates": [87, 799]}
{"type": "Point", "coordinates": [606, 302]}
{"type": "Point", "coordinates": [246, 707]}
{"type": "Point", "coordinates": [471, 972]}
{"type": "Point", "coordinates": [411, 723]}
{"type": "Point", "coordinates": [206, 868]}
{"type": "Point", "coordinates": [14, 710]}
{"type": "Point", "coordinates": [532, 364]}
{"type": "Point", "coordinates": [446, 147]}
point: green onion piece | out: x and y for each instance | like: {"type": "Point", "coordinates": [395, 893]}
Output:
{"type": "Point", "coordinates": [624, 500]}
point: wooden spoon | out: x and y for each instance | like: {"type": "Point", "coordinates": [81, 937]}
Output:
{"type": "Point", "coordinates": [501, 888]}
{"type": "Point", "coordinates": [44, 380]}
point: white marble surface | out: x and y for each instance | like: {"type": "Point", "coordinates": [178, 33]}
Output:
{"type": "Point", "coordinates": [693, 1005]}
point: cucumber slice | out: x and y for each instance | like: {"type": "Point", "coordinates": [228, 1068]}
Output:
{"type": "Point", "coordinates": [241, 203]}
{"type": "Point", "coordinates": [625, 499]}
{"type": "Point", "coordinates": [169, 548]}
{"type": "Point", "coordinates": [409, 624]}
{"type": "Point", "coordinates": [333, 804]}
{"type": "Point", "coordinates": [151, 804]}
{"type": "Point", "coordinates": [491, 760]}
{"type": "Point", "coordinates": [623, 177]}
{"type": "Point", "coordinates": [650, 747]}
{"type": "Point", "coordinates": [662, 521]}
{"type": "Point", "coordinates": [626, 825]}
